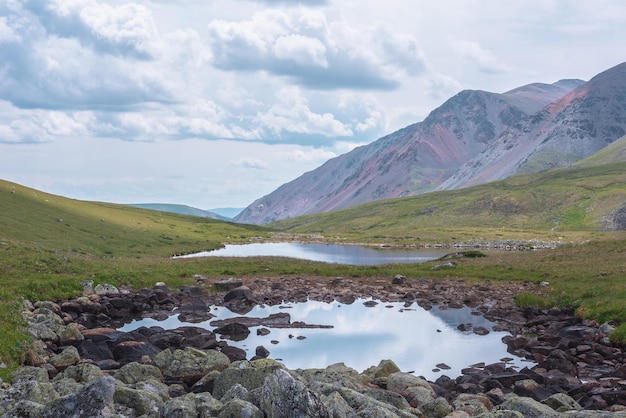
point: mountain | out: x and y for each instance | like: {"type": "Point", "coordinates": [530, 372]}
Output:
{"type": "Point", "coordinates": [180, 209]}
{"type": "Point", "coordinates": [614, 153]}
{"type": "Point", "coordinates": [411, 161]}
{"type": "Point", "coordinates": [582, 122]}
{"type": "Point", "coordinates": [228, 213]}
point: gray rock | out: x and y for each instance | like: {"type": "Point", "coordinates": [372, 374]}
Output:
{"type": "Point", "coordinates": [190, 364]}
{"type": "Point", "coordinates": [472, 404]}
{"type": "Point", "coordinates": [337, 406]}
{"type": "Point", "coordinates": [70, 335]}
{"type": "Point", "coordinates": [238, 408]}
{"type": "Point", "coordinates": [249, 374]}
{"type": "Point", "coordinates": [593, 414]}
{"type": "Point", "coordinates": [31, 390]}
{"type": "Point", "coordinates": [236, 392]}
{"type": "Point", "coordinates": [336, 374]}
{"type": "Point", "coordinates": [437, 408]}
{"type": "Point", "coordinates": [561, 402]}
{"type": "Point", "coordinates": [28, 373]}
{"type": "Point", "coordinates": [285, 396]}
{"type": "Point", "coordinates": [141, 401]}
{"type": "Point", "coordinates": [192, 405]}
{"type": "Point", "coordinates": [528, 407]}
{"type": "Point", "coordinates": [68, 357]}
{"type": "Point", "coordinates": [135, 372]}
{"type": "Point", "coordinates": [399, 382]}
{"type": "Point", "coordinates": [82, 372]}
{"type": "Point", "coordinates": [94, 400]}
{"type": "Point", "coordinates": [66, 386]}
{"type": "Point", "coordinates": [104, 288]}
{"type": "Point", "coordinates": [23, 409]}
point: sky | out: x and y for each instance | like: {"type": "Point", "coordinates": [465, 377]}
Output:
{"type": "Point", "coordinates": [217, 103]}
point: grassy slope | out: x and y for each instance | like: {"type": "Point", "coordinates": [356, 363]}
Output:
{"type": "Point", "coordinates": [566, 204]}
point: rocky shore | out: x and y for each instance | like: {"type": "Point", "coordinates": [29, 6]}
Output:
{"type": "Point", "coordinates": [80, 365]}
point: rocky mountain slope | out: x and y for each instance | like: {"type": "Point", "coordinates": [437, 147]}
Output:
{"type": "Point", "coordinates": [474, 137]}
{"type": "Point", "coordinates": [571, 128]}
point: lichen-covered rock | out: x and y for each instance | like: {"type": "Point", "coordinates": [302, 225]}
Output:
{"type": "Point", "coordinates": [135, 372]}
{"type": "Point", "coordinates": [336, 374]}
{"type": "Point", "coordinates": [31, 390]}
{"type": "Point", "coordinates": [437, 408]}
{"type": "Point", "coordinates": [528, 407]}
{"type": "Point", "coordinates": [496, 414]}
{"type": "Point", "coordinates": [337, 406]}
{"type": "Point", "coordinates": [82, 373]}
{"type": "Point", "coordinates": [27, 373]}
{"type": "Point", "coordinates": [192, 405]}
{"type": "Point", "coordinates": [285, 396]}
{"type": "Point", "coordinates": [472, 404]}
{"type": "Point", "coordinates": [23, 409]}
{"type": "Point", "coordinates": [95, 400]}
{"type": "Point", "coordinates": [236, 392]}
{"type": "Point", "coordinates": [142, 401]}
{"type": "Point", "coordinates": [70, 335]}
{"type": "Point", "coordinates": [561, 402]}
{"type": "Point", "coordinates": [386, 396]}
{"type": "Point", "coordinates": [238, 408]}
{"type": "Point", "coordinates": [593, 414]}
{"type": "Point", "coordinates": [400, 382]}
{"type": "Point", "coordinates": [66, 386]}
{"type": "Point", "coordinates": [385, 368]}
{"type": "Point", "coordinates": [190, 364]}
{"type": "Point", "coordinates": [66, 358]}
{"type": "Point", "coordinates": [363, 405]}
{"type": "Point", "coordinates": [249, 374]}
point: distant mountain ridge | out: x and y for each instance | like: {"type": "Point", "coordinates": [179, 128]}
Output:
{"type": "Point", "coordinates": [474, 137]}
{"type": "Point", "coordinates": [180, 209]}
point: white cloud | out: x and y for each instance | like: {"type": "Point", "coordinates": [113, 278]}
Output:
{"type": "Point", "coordinates": [7, 34]}
{"type": "Point", "coordinates": [477, 55]}
{"type": "Point", "coordinates": [250, 162]}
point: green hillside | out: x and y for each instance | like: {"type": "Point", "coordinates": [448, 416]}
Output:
{"type": "Point", "coordinates": [45, 221]}
{"type": "Point", "coordinates": [613, 153]}
{"type": "Point", "coordinates": [564, 204]}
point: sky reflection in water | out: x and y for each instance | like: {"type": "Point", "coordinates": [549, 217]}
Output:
{"type": "Point", "coordinates": [328, 253]}
{"type": "Point", "coordinates": [415, 339]}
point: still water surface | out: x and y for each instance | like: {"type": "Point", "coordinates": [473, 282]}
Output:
{"type": "Point", "coordinates": [415, 339]}
{"type": "Point", "coordinates": [328, 253]}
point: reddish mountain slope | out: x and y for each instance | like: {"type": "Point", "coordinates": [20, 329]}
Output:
{"type": "Point", "coordinates": [413, 160]}
{"type": "Point", "coordinates": [573, 127]}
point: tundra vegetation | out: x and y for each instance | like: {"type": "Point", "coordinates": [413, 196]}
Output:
{"type": "Point", "coordinates": [49, 244]}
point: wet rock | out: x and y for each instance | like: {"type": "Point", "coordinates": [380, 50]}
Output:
{"type": "Point", "coordinates": [262, 352]}
{"type": "Point", "coordinates": [234, 353]}
{"type": "Point", "coordinates": [234, 330]}
{"type": "Point", "coordinates": [240, 300]}
{"type": "Point", "coordinates": [132, 351]}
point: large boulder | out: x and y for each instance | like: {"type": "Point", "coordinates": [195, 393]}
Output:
{"type": "Point", "coordinates": [94, 400]}
{"type": "Point", "coordinates": [135, 372]}
{"type": "Point", "coordinates": [285, 396]}
{"type": "Point", "coordinates": [529, 408]}
{"type": "Point", "coordinates": [190, 365]}
{"type": "Point", "coordinates": [249, 374]}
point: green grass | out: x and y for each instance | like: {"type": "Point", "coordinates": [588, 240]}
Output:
{"type": "Point", "coordinates": [49, 244]}
{"type": "Point", "coordinates": [564, 204]}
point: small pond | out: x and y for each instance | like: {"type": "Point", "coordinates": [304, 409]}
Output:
{"type": "Point", "coordinates": [415, 339]}
{"type": "Point", "coordinates": [328, 253]}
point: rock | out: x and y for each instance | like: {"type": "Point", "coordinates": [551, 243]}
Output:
{"type": "Point", "coordinates": [285, 396]}
{"type": "Point", "coordinates": [226, 285]}
{"type": "Point", "coordinates": [236, 392]}
{"type": "Point", "coordinates": [249, 374]}
{"type": "Point", "coordinates": [234, 353]}
{"type": "Point", "coordinates": [234, 330]}
{"type": "Point", "coordinates": [437, 408]}
{"type": "Point", "coordinates": [472, 404]}
{"type": "Point", "coordinates": [70, 335]}
{"type": "Point", "coordinates": [561, 402]}
{"type": "Point", "coordinates": [238, 408]}
{"type": "Point", "coordinates": [81, 373]}
{"type": "Point", "coordinates": [68, 357]}
{"type": "Point", "coordinates": [142, 401]}
{"type": "Point", "coordinates": [94, 400]}
{"type": "Point", "coordinates": [190, 364]}
{"type": "Point", "coordinates": [132, 351]}
{"type": "Point", "coordinates": [336, 374]}
{"type": "Point", "coordinates": [386, 368]}
{"type": "Point", "coordinates": [337, 406]}
{"type": "Point", "coordinates": [29, 373]}
{"type": "Point", "coordinates": [23, 409]}
{"type": "Point", "coordinates": [529, 408]}
{"type": "Point", "coordinates": [104, 288]}
{"type": "Point", "coordinates": [398, 279]}
{"type": "Point", "coordinates": [262, 352]}
{"type": "Point", "coordinates": [134, 372]}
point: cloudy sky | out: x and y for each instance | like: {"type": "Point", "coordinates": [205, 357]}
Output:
{"type": "Point", "coordinates": [217, 103]}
